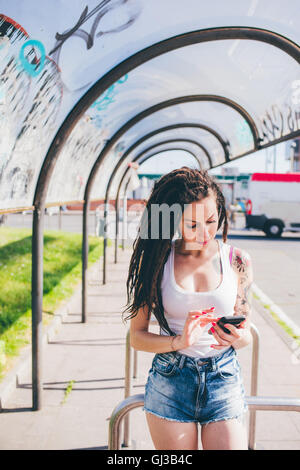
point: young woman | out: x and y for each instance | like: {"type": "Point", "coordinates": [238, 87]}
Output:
{"type": "Point", "coordinates": [188, 280]}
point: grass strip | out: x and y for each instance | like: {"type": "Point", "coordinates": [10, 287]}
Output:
{"type": "Point", "coordinates": [62, 272]}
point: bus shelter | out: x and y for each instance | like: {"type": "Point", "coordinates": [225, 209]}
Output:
{"type": "Point", "coordinates": [87, 87]}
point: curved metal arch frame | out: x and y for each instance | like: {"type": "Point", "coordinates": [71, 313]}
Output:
{"type": "Point", "coordinates": [179, 139]}
{"type": "Point", "coordinates": [148, 53]}
{"type": "Point", "coordinates": [143, 159]}
{"type": "Point", "coordinates": [172, 149]}
{"type": "Point", "coordinates": [140, 155]}
{"type": "Point", "coordinates": [173, 102]}
{"type": "Point", "coordinates": [181, 125]}
{"type": "Point", "coordinates": [104, 152]}
{"type": "Point", "coordinates": [157, 152]}
{"type": "Point", "coordinates": [85, 221]}
{"type": "Point", "coordinates": [118, 164]}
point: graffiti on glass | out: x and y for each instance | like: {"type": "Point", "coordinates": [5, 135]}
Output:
{"type": "Point", "coordinates": [104, 15]}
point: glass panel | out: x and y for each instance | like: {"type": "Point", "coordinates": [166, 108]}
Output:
{"type": "Point", "coordinates": [41, 78]}
{"type": "Point", "coordinates": [222, 119]}
{"type": "Point", "coordinates": [257, 76]}
{"type": "Point", "coordinates": [75, 162]}
{"type": "Point", "coordinates": [247, 71]}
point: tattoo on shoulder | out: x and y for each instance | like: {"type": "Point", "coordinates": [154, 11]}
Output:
{"type": "Point", "coordinates": [241, 260]}
{"type": "Point", "coordinates": [242, 263]}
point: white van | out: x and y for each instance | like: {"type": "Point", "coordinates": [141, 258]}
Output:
{"type": "Point", "coordinates": [274, 203]}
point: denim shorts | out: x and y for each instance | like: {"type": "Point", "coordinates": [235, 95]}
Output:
{"type": "Point", "coordinates": [186, 389]}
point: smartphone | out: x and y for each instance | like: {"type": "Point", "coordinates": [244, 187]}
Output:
{"type": "Point", "coordinates": [234, 320]}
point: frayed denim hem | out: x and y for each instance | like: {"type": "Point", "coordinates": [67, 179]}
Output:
{"type": "Point", "coordinates": [240, 418]}
{"type": "Point", "coordinates": [170, 419]}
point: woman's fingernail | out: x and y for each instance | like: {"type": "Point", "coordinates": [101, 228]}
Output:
{"type": "Point", "coordinates": [212, 330]}
{"type": "Point", "coordinates": [213, 324]}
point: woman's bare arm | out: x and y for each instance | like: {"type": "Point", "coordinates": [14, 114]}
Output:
{"type": "Point", "coordinates": [241, 263]}
{"type": "Point", "coordinates": [142, 340]}
{"type": "Point", "coordinates": [238, 337]}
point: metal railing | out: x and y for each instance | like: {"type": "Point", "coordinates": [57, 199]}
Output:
{"type": "Point", "coordinates": [255, 403]}
{"type": "Point", "coordinates": [128, 376]}
{"type": "Point", "coordinates": [253, 386]}
{"type": "Point", "coordinates": [129, 373]}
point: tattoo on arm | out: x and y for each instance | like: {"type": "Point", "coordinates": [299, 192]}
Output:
{"type": "Point", "coordinates": [242, 264]}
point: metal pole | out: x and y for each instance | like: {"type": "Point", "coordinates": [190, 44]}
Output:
{"type": "Point", "coordinates": [292, 156]}
{"type": "Point", "coordinates": [37, 305]}
{"type": "Point", "coordinates": [84, 254]}
{"type": "Point", "coordinates": [254, 384]}
{"type": "Point", "coordinates": [105, 241]}
{"type": "Point", "coordinates": [117, 416]}
{"type": "Point", "coordinates": [59, 218]}
{"type": "Point", "coordinates": [117, 208]}
{"type": "Point", "coordinates": [135, 364]}
{"type": "Point", "coordinates": [128, 375]}
{"type": "Point", "coordinates": [124, 225]}
{"type": "Point", "coordinates": [273, 403]}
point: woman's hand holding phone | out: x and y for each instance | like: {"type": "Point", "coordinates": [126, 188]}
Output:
{"type": "Point", "coordinates": [226, 339]}
{"type": "Point", "coordinates": [194, 326]}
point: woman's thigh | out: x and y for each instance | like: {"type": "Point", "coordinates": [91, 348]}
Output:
{"type": "Point", "coordinates": [228, 434]}
{"type": "Point", "coordinates": [172, 435]}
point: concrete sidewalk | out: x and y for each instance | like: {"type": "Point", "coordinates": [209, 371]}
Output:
{"type": "Point", "coordinates": [84, 366]}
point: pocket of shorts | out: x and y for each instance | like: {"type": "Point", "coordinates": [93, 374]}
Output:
{"type": "Point", "coordinates": [164, 366]}
{"type": "Point", "coordinates": [229, 371]}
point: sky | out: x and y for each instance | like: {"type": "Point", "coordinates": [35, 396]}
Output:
{"type": "Point", "coordinates": [262, 161]}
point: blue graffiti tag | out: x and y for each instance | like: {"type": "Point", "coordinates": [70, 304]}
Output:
{"type": "Point", "coordinates": [34, 67]}
{"type": "Point", "coordinates": [243, 133]}
{"type": "Point", "coordinates": [105, 100]}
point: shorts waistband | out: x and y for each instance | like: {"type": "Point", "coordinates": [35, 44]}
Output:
{"type": "Point", "coordinates": [209, 362]}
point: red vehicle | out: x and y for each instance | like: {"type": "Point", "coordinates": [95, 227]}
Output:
{"type": "Point", "coordinates": [274, 203]}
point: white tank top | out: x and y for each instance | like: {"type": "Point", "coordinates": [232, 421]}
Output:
{"type": "Point", "coordinates": [178, 302]}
